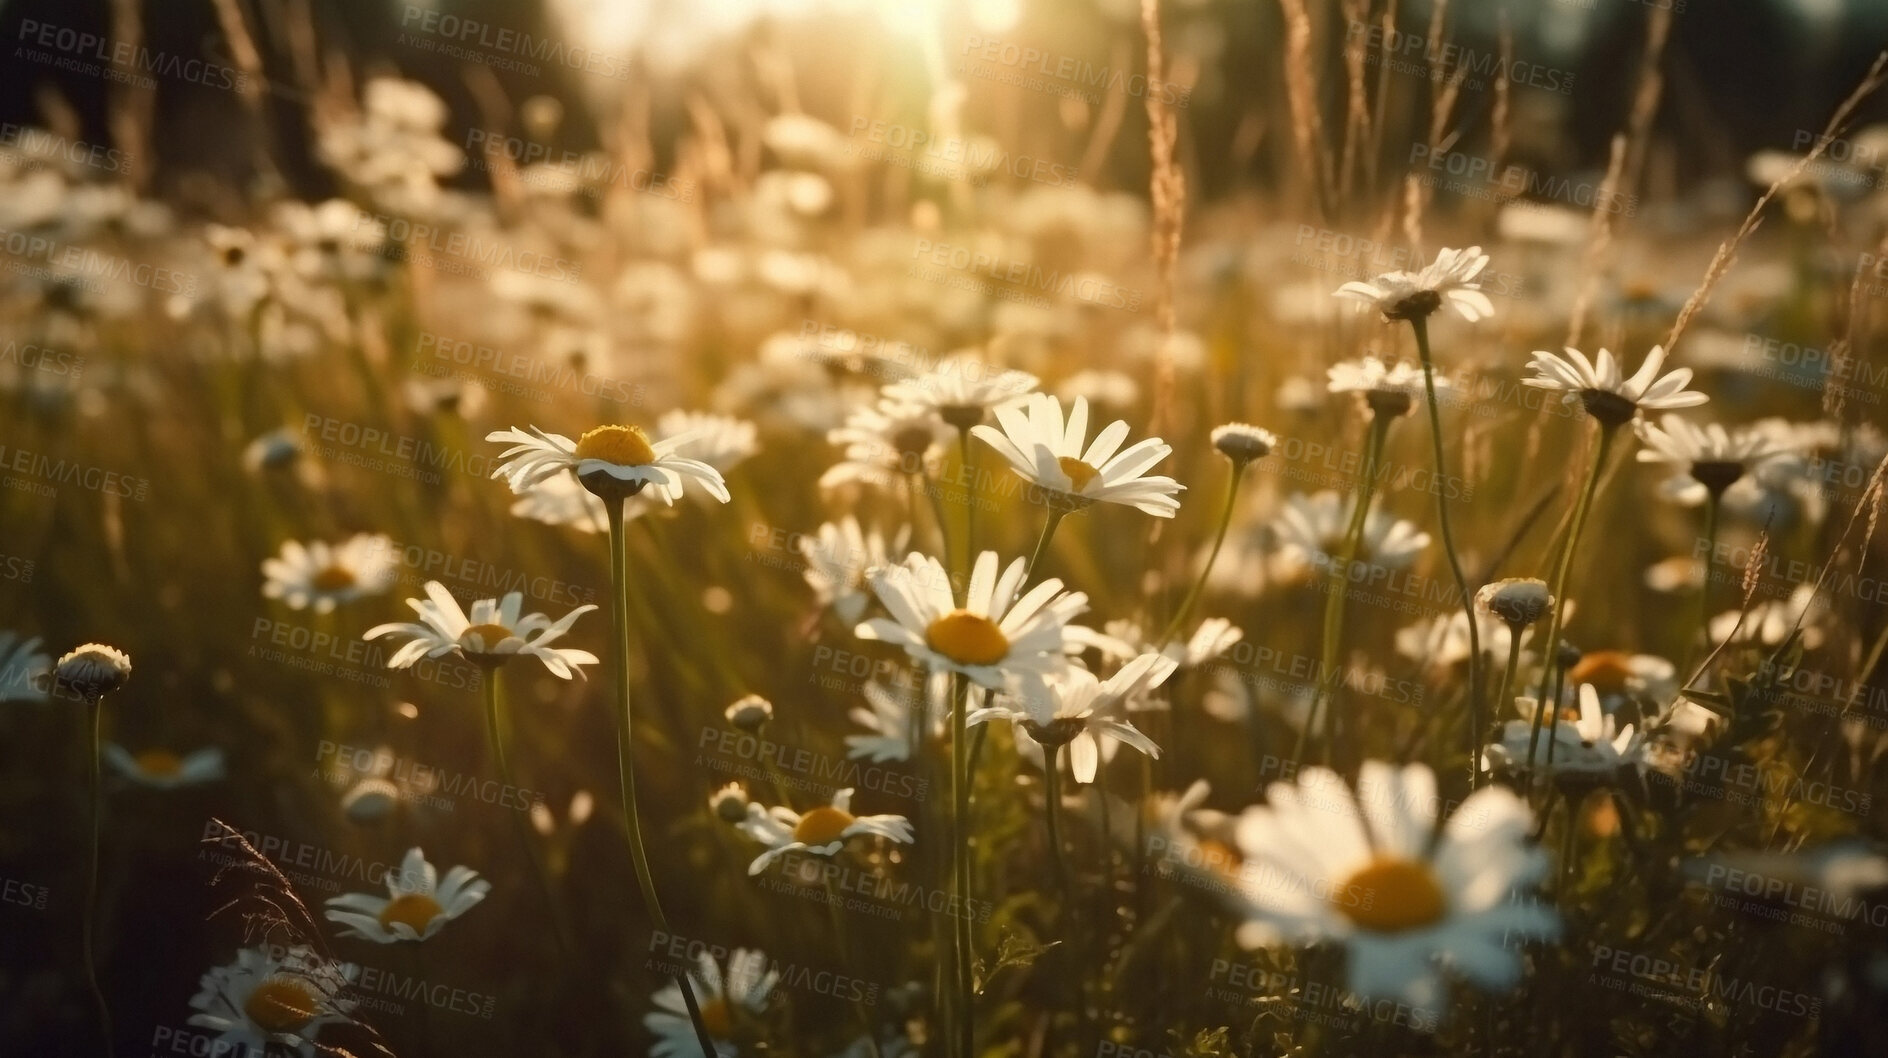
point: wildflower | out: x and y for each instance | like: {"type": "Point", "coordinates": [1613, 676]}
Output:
{"type": "Point", "coordinates": [418, 903]}
{"type": "Point", "coordinates": [750, 712]}
{"type": "Point", "coordinates": [822, 831]}
{"type": "Point", "coordinates": [493, 633]}
{"type": "Point", "coordinates": [1077, 710]}
{"type": "Point", "coordinates": [961, 388]}
{"type": "Point", "coordinates": [164, 770]}
{"type": "Point", "coordinates": [994, 635]}
{"type": "Point", "coordinates": [1608, 397]}
{"type": "Point", "coordinates": [1390, 390]}
{"type": "Point", "coordinates": [729, 1005]}
{"type": "Point", "coordinates": [1311, 530]}
{"type": "Point", "coordinates": [729, 804]}
{"type": "Point", "coordinates": [887, 443]}
{"type": "Point", "coordinates": [262, 1000]}
{"type": "Point", "coordinates": [1711, 458]}
{"type": "Point", "coordinates": [838, 558]}
{"type": "Point", "coordinates": [891, 721]}
{"type": "Point", "coordinates": [1450, 279]}
{"type": "Point", "coordinates": [1520, 601]}
{"type": "Point", "coordinates": [1588, 749]}
{"type": "Point", "coordinates": [323, 575]}
{"type": "Point", "coordinates": [1369, 872]}
{"type": "Point", "coordinates": [1048, 452]}
{"type": "Point", "coordinates": [1243, 443]}
{"type": "Point", "coordinates": [611, 461]}
{"type": "Point", "coordinates": [92, 671]}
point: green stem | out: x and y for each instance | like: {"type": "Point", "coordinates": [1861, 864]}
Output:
{"type": "Point", "coordinates": [1421, 327]}
{"type": "Point", "coordinates": [960, 864]}
{"type": "Point", "coordinates": [1480, 730]}
{"type": "Point", "coordinates": [1056, 515]}
{"type": "Point", "coordinates": [929, 488]}
{"type": "Point", "coordinates": [1550, 648]}
{"type": "Point", "coordinates": [970, 498]}
{"type": "Point", "coordinates": [1219, 539]}
{"type": "Point", "coordinates": [632, 823]}
{"type": "Point", "coordinates": [1712, 508]}
{"type": "Point", "coordinates": [1052, 801]}
{"type": "Point", "coordinates": [91, 885]}
{"type": "Point", "coordinates": [1340, 588]}
{"type": "Point", "coordinates": [495, 732]}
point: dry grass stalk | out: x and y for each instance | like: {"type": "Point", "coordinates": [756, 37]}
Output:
{"type": "Point", "coordinates": [1168, 189]}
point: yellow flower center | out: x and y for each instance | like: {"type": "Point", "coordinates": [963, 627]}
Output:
{"type": "Point", "coordinates": [1606, 670]}
{"type": "Point", "coordinates": [822, 825]}
{"type": "Point", "coordinates": [967, 638]}
{"type": "Point", "coordinates": [717, 1019]}
{"type": "Point", "coordinates": [332, 578]}
{"type": "Point", "coordinates": [283, 1003]}
{"type": "Point", "coordinates": [160, 763]}
{"type": "Point", "coordinates": [414, 909]}
{"type": "Point", "coordinates": [483, 638]}
{"type": "Point", "coordinates": [1392, 895]}
{"type": "Point", "coordinates": [1080, 473]}
{"type": "Point", "coordinates": [626, 446]}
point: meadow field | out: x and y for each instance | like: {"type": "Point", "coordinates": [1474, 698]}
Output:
{"type": "Point", "coordinates": [944, 528]}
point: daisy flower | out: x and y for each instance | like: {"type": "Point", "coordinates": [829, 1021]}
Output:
{"type": "Point", "coordinates": [262, 1000]}
{"type": "Point", "coordinates": [1607, 396]}
{"type": "Point", "coordinates": [721, 441]}
{"type": "Point", "coordinates": [1241, 443]}
{"type": "Point", "coordinates": [890, 718]}
{"type": "Point", "coordinates": [1048, 452]}
{"type": "Point", "coordinates": [24, 669]}
{"type": "Point", "coordinates": [491, 635]}
{"type": "Point", "coordinates": [612, 461]}
{"type": "Point", "coordinates": [1389, 389]}
{"type": "Point", "coordinates": [839, 556]}
{"type": "Point", "coordinates": [1311, 529]}
{"type": "Point", "coordinates": [995, 634]}
{"type": "Point", "coordinates": [92, 671]}
{"type": "Point", "coordinates": [822, 831]}
{"type": "Point", "coordinates": [323, 575]}
{"type": "Point", "coordinates": [1710, 458]}
{"type": "Point", "coordinates": [886, 444]}
{"type": "Point", "coordinates": [1620, 677]}
{"type": "Point", "coordinates": [1587, 749]}
{"type": "Point", "coordinates": [1369, 872]}
{"type": "Point", "coordinates": [1449, 278]}
{"type": "Point", "coordinates": [727, 1004]}
{"type": "Point", "coordinates": [164, 770]}
{"type": "Point", "coordinates": [418, 903]}
{"type": "Point", "coordinates": [961, 388]}
{"type": "Point", "coordinates": [560, 500]}
{"type": "Point", "coordinates": [1077, 710]}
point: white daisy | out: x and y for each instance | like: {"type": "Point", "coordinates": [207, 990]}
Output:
{"type": "Point", "coordinates": [164, 770]}
{"type": "Point", "coordinates": [418, 903]}
{"type": "Point", "coordinates": [886, 444]}
{"type": "Point", "coordinates": [25, 670]}
{"type": "Point", "coordinates": [261, 999]}
{"type": "Point", "coordinates": [323, 575]}
{"type": "Point", "coordinates": [822, 831]}
{"type": "Point", "coordinates": [1711, 458]}
{"type": "Point", "coordinates": [494, 632]}
{"type": "Point", "coordinates": [92, 671]}
{"type": "Point", "coordinates": [1048, 452]}
{"type": "Point", "coordinates": [1369, 872]}
{"type": "Point", "coordinates": [1587, 749]}
{"type": "Point", "coordinates": [993, 635]}
{"type": "Point", "coordinates": [891, 718]}
{"type": "Point", "coordinates": [1312, 531]}
{"type": "Point", "coordinates": [839, 556]}
{"type": "Point", "coordinates": [560, 500]}
{"type": "Point", "coordinates": [728, 1005]}
{"type": "Point", "coordinates": [1608, 396]}
{"type": "Point", "coordinates": [1373, 378]}
{"type": "Point", "coordinates": [1449, 278]}
{"type": "Point", "coordinates": [1242, 442]}
{"type": "Point", "coordinates": [961, 387]}
{"type": "Point", "coordinates": [1076, 709]}
{"type": "Point", "coordinates": [619, 460]}
{"type": "Point", "coordinates": [721, 441]}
